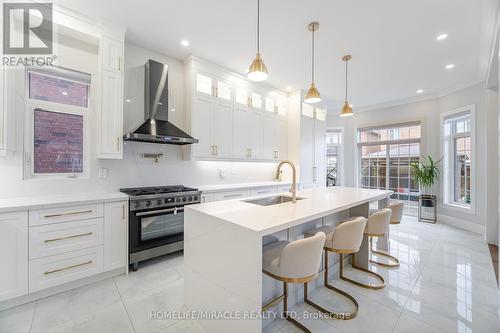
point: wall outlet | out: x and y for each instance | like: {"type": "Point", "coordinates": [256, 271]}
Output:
{"type": "Point", "coordinates": [103, 173]}
{"type": "Point", "coordinates": [222, 173]}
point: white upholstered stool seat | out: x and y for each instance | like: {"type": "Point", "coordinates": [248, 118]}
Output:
{"type": "Point", "coordinates": [344, 238]}
{"type": "Point", "coordinates": [397, 211]}
{"type": "Point", "coordinates": [298, 261]}
{"type": "Point", "coordinates": [378, 226]}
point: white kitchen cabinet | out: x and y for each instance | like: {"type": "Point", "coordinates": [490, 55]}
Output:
{"type": "Point", "coordinates": [112, 55]}
{"type": "Point", "coordinates": [247, 133]}
{"type": "Point", "coordinates": [211, 118]}
{"type": "Point", "coordinates": [228, 195]}
{"type": "Point", "coordinates": [312, 146]}
{"type": "Point", "coordinates": [115, 235]}
{"type": "Point", "coordinates": [13, 254]}
{"type": "Point", "coordinates": [226, 114]}
{"type": "Point", "coordinates": [110, 112]}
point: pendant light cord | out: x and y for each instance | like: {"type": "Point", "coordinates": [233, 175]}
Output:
{"type": "Point", "coordinates": [312, 62]}
{"type": "Point", "coordinates": [346, 80]}
{"type": "Point", "coordinates": [258, 26]}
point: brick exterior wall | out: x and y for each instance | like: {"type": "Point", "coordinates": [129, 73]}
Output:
{"type": "Point", "coordinates": [57, 90]}
{"type": "Point", "coordinates": [58, 142]}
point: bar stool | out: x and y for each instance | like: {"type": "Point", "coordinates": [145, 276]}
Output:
{"type": "Point", "coordinates": [377, 225]}
{"type": "Point", "coordinates": [293, 262]}
{"type": "Point", "coordinates": [396, 217]}
{"type": "Point", "coordinates": [343, 239]}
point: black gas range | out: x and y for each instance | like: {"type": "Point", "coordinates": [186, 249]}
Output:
{"type": "Point", "coordinates": [156, 220]}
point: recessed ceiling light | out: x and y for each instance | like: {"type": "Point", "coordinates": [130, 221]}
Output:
{"type": "Point", "coordinates": [442, 37]}
{"type": "Point", "coordinates": [419, 91]}
{"type": "Point", "coordinates": [64, 93]}
{"type": "Point", "coordinates": [128, 100]}
{"type": "Point", "coordinates": [450, 66]}
{"type": "Point", "coordinates": [184, 42]}
{"type": "Point", "coordinates": [173, 110]}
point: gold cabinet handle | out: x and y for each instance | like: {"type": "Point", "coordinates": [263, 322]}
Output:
{"type": "Point", "coordinates": [118, 144]}
{"type": "Point", "coordinates": [250, 152]}
{"type": "Point", "coordinates": [249, 101]}
{"type": "Point", "coordinates": [67, 237]}
{"type": "Point", "coordinates": [213, 151]}
{"type": "Point", "coordinates": [69, 267]}
{"type": "Point", "coordinates": [216, 152]}
{"type": "Point", "coordinates": [216, 92]}
{"type": "Point", "coordinates": [70, 213]}
{"type": "Point", "coordinates": [123, 212]}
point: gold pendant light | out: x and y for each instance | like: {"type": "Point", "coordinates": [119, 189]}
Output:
{"type": "Point", "coordinates": [312, 95]}
{"type": "Point", "coordinates": [257, 70]}
{"type": "Point", "coordinates": [346, 109]}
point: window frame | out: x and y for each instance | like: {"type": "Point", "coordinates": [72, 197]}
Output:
{"type": "Point", "coordinates": [340, 154]}
{"type": "Point", "coordinates": [31, 105]}
{"type": "Point", "coordinates": [358, 145]}
{"type": "Point", "coordinates": [448, 153]}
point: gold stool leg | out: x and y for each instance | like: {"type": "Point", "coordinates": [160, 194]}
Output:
{"type": "Point", "coordinates": [395, 261]}
{"type": "Point", "coordinates": [335, 315]}
{"type": "Point", "coordinates": [363, 285]}
{"type": "Point", "coordinates": [285, 310]}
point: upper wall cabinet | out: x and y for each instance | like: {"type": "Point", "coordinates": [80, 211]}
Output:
{"type": "Point", "coordinates": [110, 113]}
{"type": "Point", "coordinates": [312, 146]}
{"type": "Point", "coordinates": [212, 114]}
{"type": "Point", "coordinates": [232, 118]}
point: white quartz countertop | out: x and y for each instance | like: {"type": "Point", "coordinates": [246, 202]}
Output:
{"type": "Point", "coordinates": [317, 202]}
{"type": "Point", "coordinates": [37, 202]}
{"type": "Point", "coordinates": [235, 186]}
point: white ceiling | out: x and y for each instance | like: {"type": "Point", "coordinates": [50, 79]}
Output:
{"type": "Point", "coordinates": [393, 42]}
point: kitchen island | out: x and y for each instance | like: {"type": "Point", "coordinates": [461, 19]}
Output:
{"type": "Point", "coordinates": [223, 249]}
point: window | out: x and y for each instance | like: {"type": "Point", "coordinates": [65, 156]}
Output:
{"type": "Point", "coordinates": [458, 157]}
{"type": "Point", "coordinates": [57, 111]}
{"type": "Point", "coordinates": [333, 156]}
{"type": "Point", "coordinates": [386, 153]}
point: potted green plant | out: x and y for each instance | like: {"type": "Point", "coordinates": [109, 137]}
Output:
{"type": "Point", "coordinates": [426, 174]}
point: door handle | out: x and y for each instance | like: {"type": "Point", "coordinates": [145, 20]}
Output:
{"type": "Point", "coordinates": [168, 210]}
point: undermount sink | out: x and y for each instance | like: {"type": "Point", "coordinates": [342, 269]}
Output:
{"type": "Point", "coordinates": [269, 201]}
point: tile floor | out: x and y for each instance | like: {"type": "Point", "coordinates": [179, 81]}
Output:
{"type": "Point", "coordinates": [445, 283]}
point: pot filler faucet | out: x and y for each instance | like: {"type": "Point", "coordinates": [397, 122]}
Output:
{"type": "Point", "coordinates": [293, 189]}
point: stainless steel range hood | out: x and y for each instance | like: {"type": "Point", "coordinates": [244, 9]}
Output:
{"type": "Point", "coordinates": [157, 128]}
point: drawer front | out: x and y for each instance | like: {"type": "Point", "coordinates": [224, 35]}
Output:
{"type": "Point", "coordinates": [263, 191]}
{"type": "Point", "coordinates": [230, 195]}
{"type": "Point", "coordinates": [67, 213]}
{"type": "Point", "coordinates": [50, 239]}
{"type": "Point", "coordinates": [62, 268]}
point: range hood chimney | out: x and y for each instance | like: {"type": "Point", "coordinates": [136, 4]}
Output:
{"type": "Point", "coordinates": [157, 128]}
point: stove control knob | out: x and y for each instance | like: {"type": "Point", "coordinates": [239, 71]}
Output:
{"type": "Point", "coordinates": [148, 203]}
{"type": "Point", "coordinates": [137, 204]}
{"type": "Point", "coordinates": [184, 199]}
{"type": "Point", "coordinates": [178, 200]}
{"type": "Point", "coordinates": [158, 201]}
{"type": "Point", "coordinates": [195, 198]}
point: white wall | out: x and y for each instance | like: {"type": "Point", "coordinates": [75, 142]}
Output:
{"type": "Point", "coordinates": [428, 112]}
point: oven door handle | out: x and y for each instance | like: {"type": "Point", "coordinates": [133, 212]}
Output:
{"type": "Point", "coordinates": [154, 212]}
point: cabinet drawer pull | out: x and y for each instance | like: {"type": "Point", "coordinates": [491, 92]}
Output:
{"type": "Point", "coordinates": [67, 214]}
{"type": "Point", "coordinates": [69, 267]}
{"type": "Point", "coordinates": [67, 237]}
{"type": "Point", "coordinates": [232, 195]}
{"type": "Point", "coordinates": [216, 153]}
{"type": "Point", "coordinates": [118, 144]}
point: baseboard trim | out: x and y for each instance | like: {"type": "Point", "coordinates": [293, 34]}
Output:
{"type": "Point", "coordinates": [461, 224]}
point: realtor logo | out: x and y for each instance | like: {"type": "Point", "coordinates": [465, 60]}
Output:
{"type": "Point", "coordinates": [27, 28]}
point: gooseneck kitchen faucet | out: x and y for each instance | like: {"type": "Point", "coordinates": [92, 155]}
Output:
{"type": "Point", "coordinates": [293, 189]}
